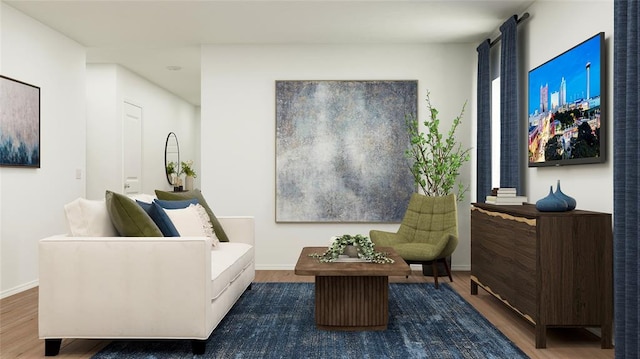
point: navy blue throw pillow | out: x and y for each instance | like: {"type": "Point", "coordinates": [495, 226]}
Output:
{"type": "Point", "coordinates": [160, 218]}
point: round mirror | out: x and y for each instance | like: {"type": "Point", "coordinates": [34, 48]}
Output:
{"type": "Point", "coordinates": [171, 157]}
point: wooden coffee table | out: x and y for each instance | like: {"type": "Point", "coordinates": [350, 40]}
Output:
{"type": "Point", "coordinates": [351, 295]}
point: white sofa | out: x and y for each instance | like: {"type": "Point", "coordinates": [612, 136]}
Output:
{"type": "Point", "coordinates": [142, 287]}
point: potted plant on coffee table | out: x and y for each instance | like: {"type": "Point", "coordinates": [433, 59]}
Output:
{"type": "Point", "coordinates": [362, 244]}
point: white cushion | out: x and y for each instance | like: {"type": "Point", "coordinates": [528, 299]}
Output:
{"type": "Point", "coordinates": [142, 197]}
{"type": "Point", "coordinates": [192, 221]}
{"type": "Point", "coordinates": [228, 261]}
{"type": "Point", "coordinates": [89, 218]}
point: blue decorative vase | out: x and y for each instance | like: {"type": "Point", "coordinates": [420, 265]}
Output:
{"type": "Point", "coordinates": [571, 202]}
{"type": "Point", "coordinates": [551, 203]}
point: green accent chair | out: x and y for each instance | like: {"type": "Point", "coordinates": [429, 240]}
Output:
{"type": "Point", "coordinates": [428, 233]}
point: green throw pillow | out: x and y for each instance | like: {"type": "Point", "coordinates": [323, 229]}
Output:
{"type": "Point", "coordinates": [129, 218]}
{"type": "Point", "coordinates": [175, 196]}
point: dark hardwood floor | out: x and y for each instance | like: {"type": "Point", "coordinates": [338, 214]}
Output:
{"type": "Point", "coordinates": [19, 324]}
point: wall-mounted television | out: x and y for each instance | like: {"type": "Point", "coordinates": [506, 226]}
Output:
{"type": "Point", "coordinates": [566, 114]}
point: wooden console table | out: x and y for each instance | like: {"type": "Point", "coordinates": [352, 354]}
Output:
{"type": "Point", "coordinates": [553, 268]}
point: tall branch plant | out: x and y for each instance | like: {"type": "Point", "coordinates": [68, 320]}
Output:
{"type": "Point", "coordinates": [435, 160]}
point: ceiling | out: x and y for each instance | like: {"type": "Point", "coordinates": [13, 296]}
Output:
{"type": "Point", "coordinates": [147, 36]}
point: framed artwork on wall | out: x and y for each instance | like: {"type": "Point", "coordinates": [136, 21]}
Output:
{"type": "Point", "coordinates": [340, 150]}
{"type": "Point", "coordinates": [19, 123]}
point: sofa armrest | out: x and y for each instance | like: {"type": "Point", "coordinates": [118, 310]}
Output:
{"type": "Point", "coordinates": [113, 287]}
{"type": "Point", "coordinates": [239, 228]}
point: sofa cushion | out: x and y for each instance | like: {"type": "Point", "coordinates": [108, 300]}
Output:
{"type": "Point", "coordinates": [175, 204]}
{"type": "Point", "coordinates": [228, 261]}
{"type": "Point", "coordinates": [217, 227]}
{"type": "Point", "coordinates": [160, 218]}
{"type": "Point", "coordinates": [89, 218]}
{"type": "Point", "coordinates": [155, 210]}
{"type": "Point", "coordinates": [129, 219]}
{"type": "Point", "coordinates": [192, 221]}
{"type": "Point", "coordinates": [142, 197]}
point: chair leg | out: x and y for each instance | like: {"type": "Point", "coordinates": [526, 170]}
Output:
{"type": "Point", "coordinates": [434, 267]}
{"type": "Point", "coordinates": [446, 267]}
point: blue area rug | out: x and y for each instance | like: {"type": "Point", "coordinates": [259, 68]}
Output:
{"type": "Point", "coordinates": [276, 320]}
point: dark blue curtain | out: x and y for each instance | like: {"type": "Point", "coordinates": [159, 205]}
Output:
{"type": "Point", "coordinates": [626, 174]}
{"type": "Point", "coordinates": [511, 148]}
{"type": "Point", "coordinates": [483, 150]}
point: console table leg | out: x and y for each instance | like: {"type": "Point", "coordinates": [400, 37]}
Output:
{"type": "Point", "coordinates": [607, 333]}
{"type": "Point", "coordinates": [541, 336]}
{"type": "Point", "coordinates": [474, 288]}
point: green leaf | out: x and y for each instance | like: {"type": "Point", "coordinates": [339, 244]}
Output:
{"type": "Point", "coordinates": [435, 160]}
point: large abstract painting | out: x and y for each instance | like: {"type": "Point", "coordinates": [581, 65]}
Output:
{"type": "Point", "coordinates": [340, 150]}
{"type": "Point", "coordinates": [19, 123]}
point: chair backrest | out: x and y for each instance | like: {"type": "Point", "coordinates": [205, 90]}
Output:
{"type": "Point", "coordinates": [428, 218]}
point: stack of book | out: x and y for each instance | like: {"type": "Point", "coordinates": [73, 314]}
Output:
{"type": "Point", "coordinates": [506, 196]}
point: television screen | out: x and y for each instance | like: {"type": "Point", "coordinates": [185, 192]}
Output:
{"type": "Point", "coordinates": [566, 107]}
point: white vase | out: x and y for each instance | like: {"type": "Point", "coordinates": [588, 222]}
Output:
{"type": "Point", "coordinates": [188, 183]}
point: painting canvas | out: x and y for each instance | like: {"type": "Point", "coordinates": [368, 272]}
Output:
{"type": "Point", "coordinates": [340, 150]}
{"type": "Point", "coordinates": [19, 123]}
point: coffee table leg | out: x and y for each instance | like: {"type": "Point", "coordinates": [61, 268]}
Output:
{"type": "Point", "coordinates": [352, 303]}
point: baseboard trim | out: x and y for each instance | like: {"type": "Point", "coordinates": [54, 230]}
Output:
{"type": "Point", "coordinates": [454, 268]}
{"type": "Point", "coordinates": [18, 289]}
{"type": "Point", "coordinates": [461, 268]}
{"type": "Point", "coordinates": [275, 267]}
{"type": "Point", "coordinates": [33, 284]}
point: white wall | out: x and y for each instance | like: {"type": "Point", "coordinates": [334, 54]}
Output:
{"type": "Point", "coordinates": [104, 166]}
{"type": "Point", "coordinates": [238, 126]}
{"type": "Point", "coordinates": [162, 113]}
{"type": "Point", "coordinates": [108, 86]}
{"type": "Point", "coordinates": [548, 34]}
{"type": "Point", "coordinates": [33, 199]}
